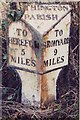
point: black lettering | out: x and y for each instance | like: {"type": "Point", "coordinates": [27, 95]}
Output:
{"type": "Point", "coordinates": [24, 33]}
{"type": "Point", "coordinates": [48, 44]}
{"type": "Point", "coordinates": [14, 41]}
{"type": "Point", "coordinates": [38, 17]}
{"type": "Point", "coordinates": [43, 17]}
{"type": "Point", "coordinates": [60, 8]}
{"type": "Point", "coordinates": [61, 40]}
{"type": "Point", "coordinates": [22, 42]}
{"type": "Point", "coordinates": [61, 32]}
{"type": "Point", "coordinates": [50, 62]}
{"type": "Point", "coordinates": [53, 61]}
{"type": "Point", "coordinates": [33, 7]}
{"type": "Point", "coordinates": [58, 43]}
{"type": "Point", "coordinates": [26, 16]}
{"type": "Point", "coordinates": [28, 62]}
{"type": "Point", "coordinates": [13, 59]}
{"type": "Point", "coordinates": [23, 52]}
{"type": "Point", "coordinates": [66, 40]}
{"type": "Point", "coordinates": [22, 61]}
{"type": "Point", "coordinates": [48, 17]}
{"type": "Point", "coordinates": [26, 42]}
{"type": "Point", "coordinates": [55, 51]}
{"type": "Point", "coordinates": [32, 17]}
{"type": "Point", "coordinates": [46, 63]}
{"type": "Point", "coordinates": [46, 7]}
{"type": "Point", "coordinates": [44, 44]}
{"type": "Point", "coordinates": [65, 8]}
{"type": "Point", "coordinates": [54, 7]}
{"type": "Point", "coordinates": [30, 43]}
{"type": "Point", "coordinates": [58, 60]}
{"type": "Point", "coordinates": [53, 43]}
{"type": "Point", "coordinates": [56, 32]}
{"type": "Point", "coordinates": [17, 41]}
{"type": "Point", "coordinates": [18, 31]}
{"type": "Point", "coordinates": [33, 63]}
{"type": "Point", "coordinates": [62, 58]}
{"type": "Point", "coordinates": [54, 17]}
{"type": "Point", "coordinates": [27, 7]}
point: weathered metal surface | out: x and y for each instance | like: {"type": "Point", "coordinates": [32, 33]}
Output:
{"type": "Point", "coordinates": [39, 44]}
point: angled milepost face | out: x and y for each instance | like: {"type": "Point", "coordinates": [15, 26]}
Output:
{"type": "Point", "coordinates": [21, 49]}
{"type": "Point", "coordinates": [56, 45]}
{"type": "Point", "coordinates": [36, 46]}
{"type": "Point", "coordinates": [43, 16]}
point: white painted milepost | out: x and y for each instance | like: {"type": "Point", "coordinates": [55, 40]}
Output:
{"type": "Point", "coordinates": [39, 48]}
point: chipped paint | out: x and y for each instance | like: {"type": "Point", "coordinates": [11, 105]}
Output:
{"type": "Point", "coordinates": [35, 50]}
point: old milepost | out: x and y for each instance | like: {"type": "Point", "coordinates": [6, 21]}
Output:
{"type": "Point", "coordinates": [39, 48]}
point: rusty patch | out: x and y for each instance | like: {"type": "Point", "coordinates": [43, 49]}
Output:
{"type": "Point", "coordinates": [44, 91]}
{"type": "Point", "coordinates": [44, 84]}
{"type": "Point", "coordinates": [45, 38]}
